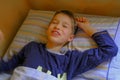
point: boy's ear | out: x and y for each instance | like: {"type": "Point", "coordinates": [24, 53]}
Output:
{"type": "Point", "coordinates": [71, 37]}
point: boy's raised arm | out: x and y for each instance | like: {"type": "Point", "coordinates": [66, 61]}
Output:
{"type": "Point", "coordinates": [84, 24]}
{"type": "Point", "coordinates": [92, 57]}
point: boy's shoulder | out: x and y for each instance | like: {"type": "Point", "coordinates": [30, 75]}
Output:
{"type": "Point", "coordinates": [32, 43]}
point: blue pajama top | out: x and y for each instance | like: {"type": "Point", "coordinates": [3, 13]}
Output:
{"type": "Point", "coordinates": [73, 62]}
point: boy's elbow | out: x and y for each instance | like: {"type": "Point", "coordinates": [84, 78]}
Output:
{"type": "Point", "coordinates": [114, 50]}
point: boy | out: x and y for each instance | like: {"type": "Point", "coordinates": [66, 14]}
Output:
{"type": "Point", "coordinates": [49, 56]}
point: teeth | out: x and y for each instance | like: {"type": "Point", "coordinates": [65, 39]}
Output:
{"type": "Point", "coordinates": [55, 33]}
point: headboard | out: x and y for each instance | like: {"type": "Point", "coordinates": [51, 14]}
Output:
{"type": "Point", "coordinates": [96, 7]}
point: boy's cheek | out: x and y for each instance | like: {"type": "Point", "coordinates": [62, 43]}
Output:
{"type": "Point", "coordinates": [67, 32]}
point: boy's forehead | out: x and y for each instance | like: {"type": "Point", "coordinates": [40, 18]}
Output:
{"type": "Point", "coordinates": [63, 17]}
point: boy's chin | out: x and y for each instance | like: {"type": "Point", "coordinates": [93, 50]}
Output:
{"type": "Point", "coordinates": [56, 41]}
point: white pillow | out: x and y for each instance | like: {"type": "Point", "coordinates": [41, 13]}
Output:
{"type": "Point", "coordinates": [35, 26]}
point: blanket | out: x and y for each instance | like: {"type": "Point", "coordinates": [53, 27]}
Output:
{"type": "Point", "coordinates": [26, 73]}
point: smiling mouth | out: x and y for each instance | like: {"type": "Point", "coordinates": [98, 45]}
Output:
{"type": "Point", "coordinates": [55, 33]}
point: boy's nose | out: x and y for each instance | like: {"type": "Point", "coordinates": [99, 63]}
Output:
{"type": "Point", "coordinates": [57, 26]}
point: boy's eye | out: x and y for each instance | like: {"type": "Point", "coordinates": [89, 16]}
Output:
{"type": "Point", "coordinates": [65, 26]}
{"type": "Point", "coordinates": [54, 22]}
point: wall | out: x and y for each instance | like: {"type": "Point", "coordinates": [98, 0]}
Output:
{"type": "Point", "coordinates": [98, 7]}
{"type": "Point", "coordinates": [12, 13]}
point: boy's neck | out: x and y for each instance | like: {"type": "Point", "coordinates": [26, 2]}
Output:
{"type": "Point", "coordinates": [53, 47]}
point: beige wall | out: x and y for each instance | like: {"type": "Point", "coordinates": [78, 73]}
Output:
{"type": "Point", "coordinates": [12, 13]}
{"type": "Point", "coordinates": [98, 7]}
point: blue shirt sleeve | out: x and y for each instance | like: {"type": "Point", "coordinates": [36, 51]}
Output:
{"type": "Point", "coordinates": [16, 60]}
{"type": "Point", "coordinates": [93, 57]}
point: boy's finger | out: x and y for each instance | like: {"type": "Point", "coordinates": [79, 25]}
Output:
{"type": "Point", "coordinates": [78, 19]}
{"type": "Point", "coordinates": [81, 19]}
{"type": "Point", "coordinates": [85, 19]}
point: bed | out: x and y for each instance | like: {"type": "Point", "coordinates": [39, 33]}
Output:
{"type": "Point", "coordinates": [33, 29]}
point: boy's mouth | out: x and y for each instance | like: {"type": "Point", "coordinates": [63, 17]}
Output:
{"type": "Point", "coordinates": [55, 33]}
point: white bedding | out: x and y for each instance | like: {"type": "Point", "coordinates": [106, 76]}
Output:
{"type": "Point", "coordinates": [5, 76]}
{"type": "Point", "coordinates": [26, 73]}
{"type": "Point", "coordinates": [114, 68]}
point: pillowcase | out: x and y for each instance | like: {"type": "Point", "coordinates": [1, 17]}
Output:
{"type": "Point", "coordinates": [34, 29]}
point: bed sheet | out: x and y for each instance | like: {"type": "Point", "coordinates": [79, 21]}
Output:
{"type": "Point", "coordinates": [114, 67]}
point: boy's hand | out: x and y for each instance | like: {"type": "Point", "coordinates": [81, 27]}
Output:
{"type": "Point", "coordinates": [84, 24]}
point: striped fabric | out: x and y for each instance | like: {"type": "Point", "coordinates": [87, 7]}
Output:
{"type": "Point", "coordinates": [35, 26]}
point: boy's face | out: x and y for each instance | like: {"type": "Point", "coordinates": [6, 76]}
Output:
{"type": "Point", "coordinates": [60, 29]}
